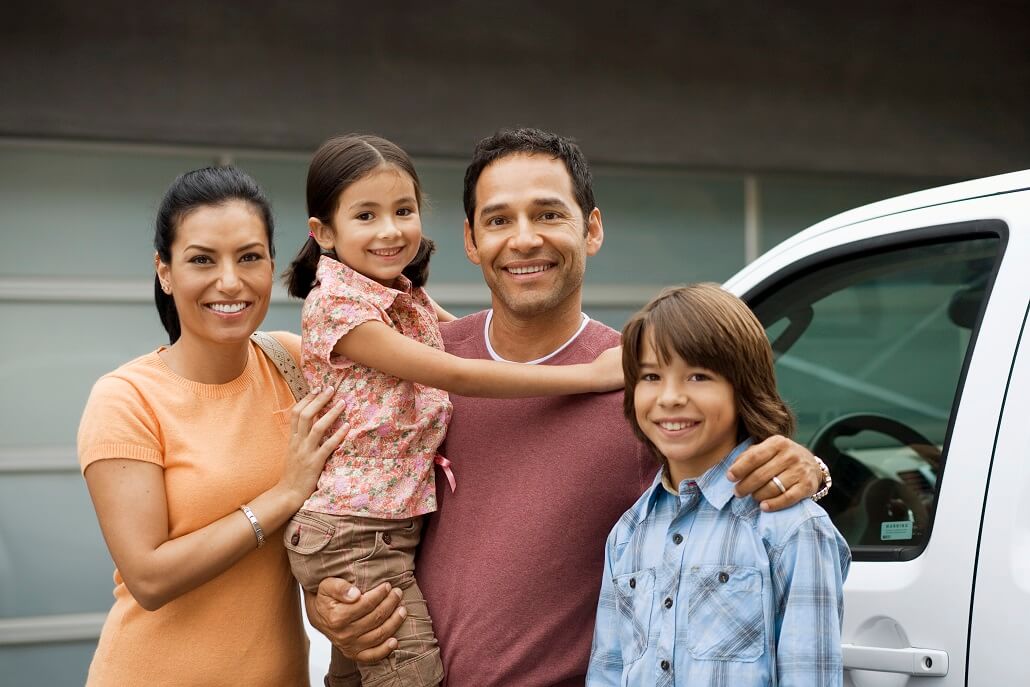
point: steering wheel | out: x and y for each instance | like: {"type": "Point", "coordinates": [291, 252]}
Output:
{"type": "Point", "coordinates": [860, 501]}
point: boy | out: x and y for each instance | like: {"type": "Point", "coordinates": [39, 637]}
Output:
{"type": "Point", "coordinates": [701, 588]}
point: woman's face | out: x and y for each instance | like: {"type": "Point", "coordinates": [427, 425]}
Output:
{"type": "Point", "coordinates": [220, 273]}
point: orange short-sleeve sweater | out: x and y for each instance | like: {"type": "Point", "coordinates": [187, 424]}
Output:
{"type": "Point", "coordinates": [220, 445]}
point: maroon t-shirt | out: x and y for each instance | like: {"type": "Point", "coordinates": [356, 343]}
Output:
{"type": "Point", "coordinates": [511, 562]}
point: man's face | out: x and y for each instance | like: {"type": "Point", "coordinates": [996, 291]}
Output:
{"type": "Point", "coordinates": [530, 237]}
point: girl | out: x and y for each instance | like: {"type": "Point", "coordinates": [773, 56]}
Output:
{"type": "Point", "coordinates": [194, 460]}
{"type": "Point", "coordinates": [700, 588]}
{"type": "Point", "coordinates": [370, 330]}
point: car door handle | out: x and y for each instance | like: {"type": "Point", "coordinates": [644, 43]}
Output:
{"type": "Point", "coordinates": [910, 661]}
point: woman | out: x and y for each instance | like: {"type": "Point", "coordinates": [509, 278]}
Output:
{"type": "Point", "coordinates": [194, 459]}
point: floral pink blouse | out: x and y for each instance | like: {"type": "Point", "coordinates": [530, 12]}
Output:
{"type": "Point", "coordinates": [385, 467]}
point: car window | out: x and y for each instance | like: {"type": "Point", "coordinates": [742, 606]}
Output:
{"type": "Point", "coordinates": [870, 349]}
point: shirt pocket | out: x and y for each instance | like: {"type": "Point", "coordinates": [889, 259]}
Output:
{"type": "Point", "coordinates": [634, 599]}
{"type": "Point", "coordinates": [726, 613]}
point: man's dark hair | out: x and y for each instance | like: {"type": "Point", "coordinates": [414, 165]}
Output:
{"type": "Point", "coordinates": [531, 141]}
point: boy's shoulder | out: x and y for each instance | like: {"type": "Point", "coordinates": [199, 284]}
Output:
{"type": "Point", "coordinates": [636, 515]}
{"type": "Point", "coordinates": [777, 527]}
{"type": "Point", "coordinates": [774, 527]}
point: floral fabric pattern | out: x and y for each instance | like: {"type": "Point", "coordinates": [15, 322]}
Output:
{"type": "Point", "coordinates": [385, 467]}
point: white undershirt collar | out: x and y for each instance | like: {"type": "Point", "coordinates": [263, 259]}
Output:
{"type": "Point", "coordinates": [493, 353]}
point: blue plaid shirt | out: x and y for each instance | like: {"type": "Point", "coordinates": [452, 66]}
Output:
{"type": "Point", "coordinates": [705, 590]}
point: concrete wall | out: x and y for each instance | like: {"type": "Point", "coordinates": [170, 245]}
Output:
{"type": "Point", "coordinates": [927, 89]}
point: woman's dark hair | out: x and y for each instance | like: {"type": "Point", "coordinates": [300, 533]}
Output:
{"type": "Point", "coordinates": [338, 163]}
{"type": "Point", "coordinates": [709, 327]}
{"type": "Point", "coordinates": [210, 186]}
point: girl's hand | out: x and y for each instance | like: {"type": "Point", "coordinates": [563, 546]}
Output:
{"type": "Point", "coordinates": [607, 370]}
{"type": "Point", "coordinates": [307, 451]}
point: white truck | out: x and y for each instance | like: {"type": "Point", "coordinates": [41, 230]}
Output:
{"type": "Point", "coordinates": [900, 330]}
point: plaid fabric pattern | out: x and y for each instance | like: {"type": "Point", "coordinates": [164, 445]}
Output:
{"type": "Point", "coordinates": [702, 588]}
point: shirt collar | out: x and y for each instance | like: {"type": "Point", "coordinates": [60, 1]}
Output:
{"type": "Point", "coordinates": [713, 485]}
{"type": "Point", "coordinates": [334, 276]}
{"type": "Point", "coordinates": [584, 321]}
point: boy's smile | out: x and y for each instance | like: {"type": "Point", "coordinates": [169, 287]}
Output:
{"type": "Point", "coordinates": [688, 412]}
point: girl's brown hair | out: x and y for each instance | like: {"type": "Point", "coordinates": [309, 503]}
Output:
{"type": "Point", "coordinates": [711, 328]}
{"type": "Point", "coordinates": [338, 163]}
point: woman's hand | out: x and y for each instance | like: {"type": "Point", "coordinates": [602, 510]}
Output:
{"type": "Point", "coordinates": [129, 497]}
{"type": "Point", "coordinates": [307, 452]}
{"type": "Point", "coordinates": [607, 370]}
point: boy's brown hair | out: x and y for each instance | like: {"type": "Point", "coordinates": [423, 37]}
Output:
{"type": "Point", "coordinates": [711, 328]}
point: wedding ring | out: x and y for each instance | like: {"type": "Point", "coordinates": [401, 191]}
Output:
{"type": "Point", "coordinates": [779, 485]}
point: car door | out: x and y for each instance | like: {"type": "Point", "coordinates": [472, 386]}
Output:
{"type": "Point", "coordinates": [892, 346]}
{"type": "Point", "coordinates": [1001, 599]}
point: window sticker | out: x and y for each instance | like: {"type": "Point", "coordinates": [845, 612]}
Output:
{"type": "Point", "coordinates": [891, 531]}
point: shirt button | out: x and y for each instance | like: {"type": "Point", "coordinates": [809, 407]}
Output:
{"type": "Point", "coordinates": [724, 577]}
{"type": "Point", "coordinates": [632, 583]}
{"type": "Point", "coordinates": [295, 539]}
{"type": "Point", "coordinates": [677, 538]}
{"type": "Point", "coordinates": [665, 665]}
{"type": "Point", "coordinates": [668, 602]}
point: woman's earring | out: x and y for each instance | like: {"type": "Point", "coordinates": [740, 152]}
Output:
{"type": "Point", "coordinates": [166, 288]}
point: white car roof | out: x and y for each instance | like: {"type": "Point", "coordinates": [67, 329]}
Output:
{"type": "Point", "coordinates": [976, 188]}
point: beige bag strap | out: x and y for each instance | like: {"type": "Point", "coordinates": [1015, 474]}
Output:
{"type": "Point", "coordinates": [278, 354]}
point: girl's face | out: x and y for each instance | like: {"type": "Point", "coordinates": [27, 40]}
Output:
{"type": "Point", "coordinates": [687, 411]}
{"type": "Point", "coordinates": [220, 273]}
{"type": "Point", "coordinates": [376, 229]}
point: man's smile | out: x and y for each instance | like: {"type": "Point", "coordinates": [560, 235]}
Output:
{"type": "Point", "coordinates": [524, 268]}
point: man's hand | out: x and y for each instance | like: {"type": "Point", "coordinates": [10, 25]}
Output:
{"type": "Point", "coordinates": [777, 456]}
{"type": "Point", "coordinates": [360, 625]}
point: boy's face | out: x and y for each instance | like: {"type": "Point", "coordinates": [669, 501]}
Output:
{"type": "Point", "coordinates": [687, 411]}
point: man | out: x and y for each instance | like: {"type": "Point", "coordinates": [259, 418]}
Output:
{"type": "Point", "coordinates": [511, 563]}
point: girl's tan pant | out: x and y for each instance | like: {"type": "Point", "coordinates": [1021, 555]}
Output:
{"type": "Point", "coordinates": [368, 552]}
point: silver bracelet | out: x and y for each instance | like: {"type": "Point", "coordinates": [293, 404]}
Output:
{"type": "Point", "coordinates": [258, 532]}
{"type": "Point", "coordinates": [827, 480]}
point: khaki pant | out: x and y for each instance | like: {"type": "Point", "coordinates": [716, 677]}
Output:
{"type": "Point", "coordinates": [368, 552]}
